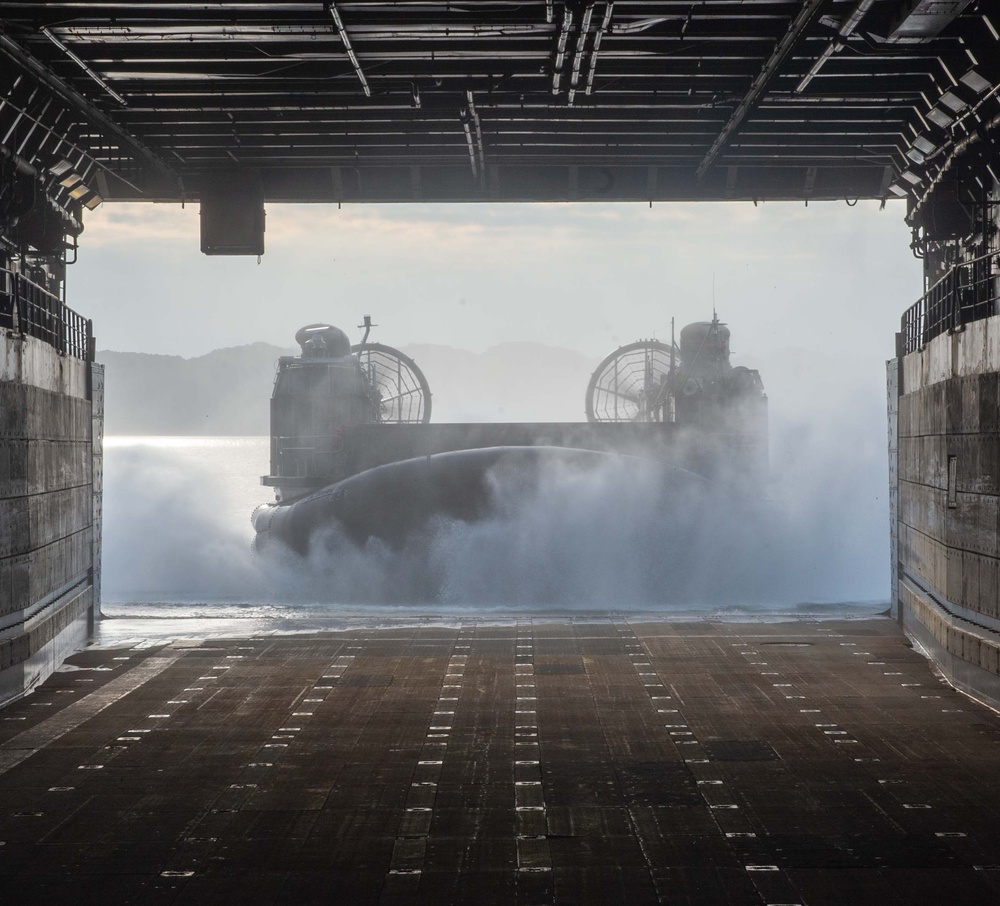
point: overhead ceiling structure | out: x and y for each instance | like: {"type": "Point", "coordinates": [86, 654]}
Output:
{"type": "Point", "coordinates": [536, 100]}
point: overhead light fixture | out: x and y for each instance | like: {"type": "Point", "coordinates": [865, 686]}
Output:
{"type": "Point", "coordinates": [87, 197]}
{"type": "Point", "coordinates": [975, 81]}
{"type": "Point", "coordinates": [60, 167]}
{"type": "Point", "coordinates": [911, 177]}
{"type": "Point", "coordinates": [939, 118]}
{"type": "Point", "coordinates": [953, 102]}
{"type": "Point", "coordinates": [65, 174]}
{"type": "Point", "coordinates": [920, 149]}
{"type": "Point", "coordinates": [898, 189]}
{"type": "Point", "coordinates": [67, 177]}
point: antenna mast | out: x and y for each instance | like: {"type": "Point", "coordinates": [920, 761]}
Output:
{"type": "Point", "coordinates": [367, 325]}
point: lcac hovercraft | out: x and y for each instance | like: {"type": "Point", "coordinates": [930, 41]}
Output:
{"type": "Point", "coordinates": [353, 448]}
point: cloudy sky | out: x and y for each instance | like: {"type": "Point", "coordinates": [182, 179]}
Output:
{"type": "Point", "coordinates": [588, 277]}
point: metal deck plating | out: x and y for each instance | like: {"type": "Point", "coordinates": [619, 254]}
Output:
{"type": "Point", "coordinates": [592, 760]}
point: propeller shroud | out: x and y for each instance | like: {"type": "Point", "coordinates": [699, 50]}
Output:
{"type": "Point", "coordinates": [630, 385]}
{"type": "Point", "coordinates": [402, 394]}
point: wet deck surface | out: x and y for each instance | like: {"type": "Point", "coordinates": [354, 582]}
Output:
{"type": "Point", "coordinates": [599, 762]}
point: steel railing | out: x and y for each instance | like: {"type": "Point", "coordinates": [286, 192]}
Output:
{"type": "Point", "coordinates": [31, 310]}
{"type": "Point", "coordinates": [308, 456]}
{"type": "Point", "coordinates": [968, 292]}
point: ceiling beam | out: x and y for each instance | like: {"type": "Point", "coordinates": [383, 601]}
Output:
{"type": "Point", "coordinates": [14, 52]}
{"type": "Point", "coordinates": [810, 10]}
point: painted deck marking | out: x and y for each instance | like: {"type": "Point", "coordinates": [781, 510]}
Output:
{"type": "Point", "coordinates": [26, 744]}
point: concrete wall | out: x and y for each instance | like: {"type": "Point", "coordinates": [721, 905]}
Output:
{"type": "Point", "coordinates": [47, 509]}
{"type": "Point", "coordinates": [948, 528]}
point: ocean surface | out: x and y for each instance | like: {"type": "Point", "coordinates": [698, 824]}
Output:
{"type": "Point", "coordinates": [177, 557]}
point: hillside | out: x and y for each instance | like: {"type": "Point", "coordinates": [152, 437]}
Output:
{"type": "Point", "coordinates": [227, 390]}
{"type": "Point", "coordinates": [223, 392]}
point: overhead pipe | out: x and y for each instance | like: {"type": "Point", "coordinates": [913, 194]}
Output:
{"type": "Point", "coordinates": [474, 114]}
{"type": "Point", "coordinates": [21, 165]}
{"type": "Point", "coordinates": [419, 32]}
{"type": "Point", "coordinates": [845, 31]}
{"type": "Point", "coordinates": [351, 55]}
{"type": "Point", "coordinates": [605, 25]}
{"type": "Point", "coordinates": [641, 25]}
{"type": "Point", "coordinates": [84, 194]}
{"type": "Point", "coordinates": [464, 117]}
{"type": "Point", "coordinates": [581, 42]}
{"type": "Point", "coordinates": [567, 24]}
{"type": "Point", "coordinates": [84, 66]}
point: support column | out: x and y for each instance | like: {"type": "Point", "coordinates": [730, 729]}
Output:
{"type": "Point", "coordinates": [892, 399]}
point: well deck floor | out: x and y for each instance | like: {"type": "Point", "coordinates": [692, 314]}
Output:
{"type": "Point", "coordinates": [595, 761]}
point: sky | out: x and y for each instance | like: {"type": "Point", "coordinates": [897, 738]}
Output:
{"type": "Point", "coordinates": [587, 277]}
{"type": "Point", "coordinates": [812, 295]}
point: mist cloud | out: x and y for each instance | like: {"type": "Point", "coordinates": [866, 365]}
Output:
{"type": "Point", "coordinates": [609, 539]}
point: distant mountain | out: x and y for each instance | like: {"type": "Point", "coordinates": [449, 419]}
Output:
{"type": "Point", "coordinates": [223, 392]}
{"type": "Point", "coordinates": [227, 390]}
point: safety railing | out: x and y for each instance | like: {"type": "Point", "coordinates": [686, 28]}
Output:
{"type": "Point", "coordinates": [308, 456]}
{"type": "Point", "coordinates": [31, 310]}
{"type": "Point", "coordinates": [968, 292]}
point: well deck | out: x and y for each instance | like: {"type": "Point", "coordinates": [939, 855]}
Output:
{"type": "Point", "coordinates": [587, 761]}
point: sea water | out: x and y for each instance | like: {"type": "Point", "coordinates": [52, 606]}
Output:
{"type": "Point", "coordinates": [177, 557]}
